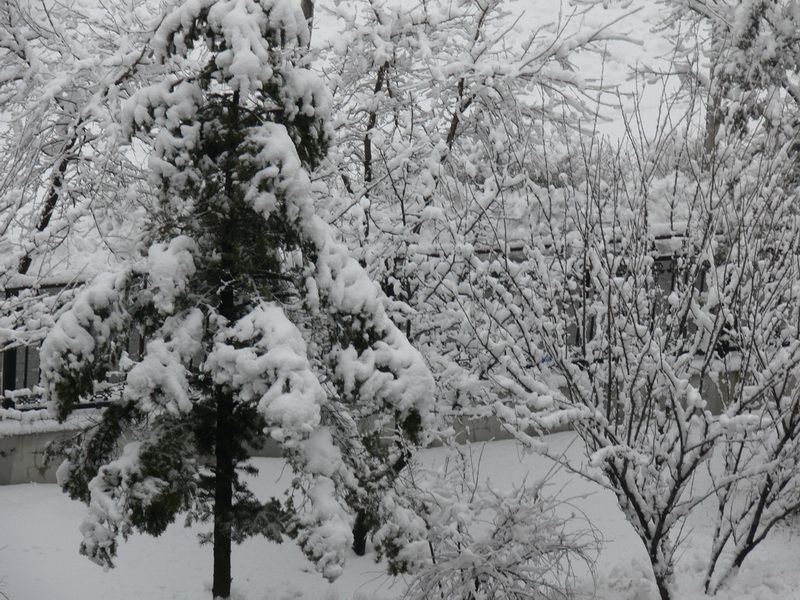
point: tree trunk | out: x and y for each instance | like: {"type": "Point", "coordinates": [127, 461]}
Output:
{"type": "Point", "coordinates": [223, 498]}
{"type": "Point", "coordinates": [365, 522]}
{"type": "Point", "coordinates": [360, 532]}
{"type": "Point", "coordinates": [308, 13]}
{"type": "Point", "coordinates": [224, 437]}
{"type": "Point", "coordinates": [714, 119]}
{"type": "Point", "coordinates": [663, 570]}
{"type": "Point", "coordinates": [663, 589]}
{"type": "Point", "coordinates": [53, 196]}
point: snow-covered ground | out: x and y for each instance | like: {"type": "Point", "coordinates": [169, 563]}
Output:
{"type": "Point", "coordinates": [39, 557]}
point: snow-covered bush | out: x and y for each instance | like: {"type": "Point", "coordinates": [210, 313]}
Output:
{"type": "Point", "coordinates": [441, 112]}
{"type": "Point", "coordinates": [480, 542]}
{"type": "Point", "coordinates": [653, 306]}
{"type": "Point", "coordinates": [567, 280]}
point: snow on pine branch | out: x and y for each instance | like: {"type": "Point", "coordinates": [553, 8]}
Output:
{"type": "Point", "coordinates": [89, 338]}
{"type": "Point", "coordinates": [134, 490]}
{"type": "Point", "coordinates": [263, 358]}
{"type": "Point", "coordinates": [83, 342]}
{"type": "Point", "coordinates": [391, 370]}
{"type": "Point", "coordinates": [161, 378]}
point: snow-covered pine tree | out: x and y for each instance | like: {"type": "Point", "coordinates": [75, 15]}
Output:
{"type": "Point", "coordinates": [256, 321]}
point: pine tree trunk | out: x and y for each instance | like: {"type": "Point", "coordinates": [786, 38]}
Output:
{"type": "Point", "coordinates": [223, 498]}
{"type": "Point", "coordinates": [224, 454]}
{"type": "Point", "coordinates": [360, 532]}
{"type": "Point", "coordinates": [364, 521]}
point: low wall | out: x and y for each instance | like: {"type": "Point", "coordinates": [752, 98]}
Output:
{"type": "Point", "coordinates": [24, 436]}
{"type": "Point", "coordinates": [22, 457]}
{"type": "Point", "coordinates": [22, 451]}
